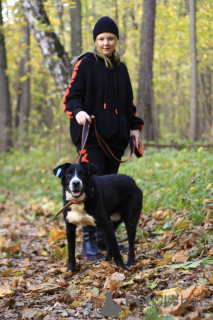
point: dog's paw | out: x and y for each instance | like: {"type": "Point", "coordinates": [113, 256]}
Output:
{"type": "Point", "coordinates": [121, 264]}
{"type": "Point", "coordinates": [70, 267]}
{"type": "Point", "coordinates": [108, 257]}
{"type": "Point", "coordinates": [129, 264]}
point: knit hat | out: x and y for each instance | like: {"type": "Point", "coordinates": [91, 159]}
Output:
{"type": "Point", "coordinates": [105, 24]}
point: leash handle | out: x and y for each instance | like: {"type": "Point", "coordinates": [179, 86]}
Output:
{"type": "Point", "coordinates": [85, 133]}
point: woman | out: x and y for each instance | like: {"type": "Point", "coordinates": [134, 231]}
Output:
{"type": "Point", "coordinates": [100, 87]}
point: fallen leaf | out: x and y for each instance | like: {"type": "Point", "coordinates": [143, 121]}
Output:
{"type": "Point", "coordinates": [5, 290]}
{"type": "Point", "coordinates": [168, 292]}
{"type": "Point", "coordinates": [45, 287]}
{"type": "Point", "coordinates": [57, 234]}
{"type": "Point", "coordinates": [181, 256]}
{"type": "Point", "coordinates": [4, 262]}
{"type": "Point", "coordinates": [124, 313]}
{"type": "Point", "coordinates": [15, 284]}
{"type": "Point", "coordinates": [182, 223]}
{"type": "Point", "coordinates": [13, 248]}
{"type": "Point", "coordinates": [8, 272]}
{"type": "Point", "coordinates": [26, 262]}
{"type": "Point", "coordinates": [108, 267]}
{"type": "Point", "coordinates": [43, 252]}
{"type": "Point", "coordinates": [200, 291]}
{"type": "Point", "coordinates": [57, 270]}
{"type": "Point", "coordinates": [180, 304]}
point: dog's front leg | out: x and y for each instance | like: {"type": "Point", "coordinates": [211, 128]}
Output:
{"type": "Point", "coordinates": [71, 234]}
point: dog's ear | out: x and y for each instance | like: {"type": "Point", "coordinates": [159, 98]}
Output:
{"type": "Point", "coordinates": [91, 167]}
{"type": "Point", "coordinates": [60, 170]}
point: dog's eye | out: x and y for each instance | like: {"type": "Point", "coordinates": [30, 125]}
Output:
{"type": "Point", "coordinates": [68, 174]}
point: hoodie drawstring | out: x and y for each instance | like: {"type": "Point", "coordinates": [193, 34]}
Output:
{"type": "Point", "coordinates": [116, 98]}
{"type": "Point", "coordinates": [106, 87]}
{"type": "Point", "coordinates": [105, 95]}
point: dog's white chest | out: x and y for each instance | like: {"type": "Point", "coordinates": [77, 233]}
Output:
{"type": "Point", "coordinates": [79, 216]}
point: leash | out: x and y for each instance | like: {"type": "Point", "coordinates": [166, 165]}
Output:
{"type": "Point", "coordinates": [85, 133]}
{"type": "Point", "coordinates": [69, 204]}
{"type": "Point", "coordinates": [133, 149]}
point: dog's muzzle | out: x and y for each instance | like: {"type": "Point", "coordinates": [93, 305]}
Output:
{"type": "Point", "coordinates": [76, 188]}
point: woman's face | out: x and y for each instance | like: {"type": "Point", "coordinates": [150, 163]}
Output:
{"type": "Point", "coordinates": [106, 43]}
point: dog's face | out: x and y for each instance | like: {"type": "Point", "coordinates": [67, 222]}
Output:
{"type": "Point", "coordinates": [75, 177]}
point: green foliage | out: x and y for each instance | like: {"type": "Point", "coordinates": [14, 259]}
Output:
{"type": "Point", "coordinates": [173, 179]}
{"type": "Point", "coordinates": [152, 313]}
{"type": "Point", "coordinates": [170, 179]}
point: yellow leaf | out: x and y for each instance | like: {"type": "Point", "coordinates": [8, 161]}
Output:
{"type": "Point", "coordinates": [5, 290]}
{"type": "Point", "coordinates": [125, 313]}
{"type": "Point", "coordinates": [75, 304]}
{"type": "Point", "coordinates": [161, 263]}
{"type": "Point", "coordinates": [168, 292]}
{"type": "Point", "coordinates": [8, 272]}
{"type": "Point", "coordinates": [57, 234]}
{"type": "Point", "coordinates": [208, 186]}
{"type": "Point", "coordinates": [43, 253]}
{"type": "Point", "coordinates": [2, 241]}
{"type": "Point", "coordinates": [192, 189]}
{"type": "Point", "coordinates": [16, 247]}
{"type": "Point", "coordinates": [182, 223]}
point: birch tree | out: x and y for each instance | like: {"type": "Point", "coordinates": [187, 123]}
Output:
{"type": "Point", "coordinates": [55, 57]}
{"type": "Point", "coordinates": [76, 30]}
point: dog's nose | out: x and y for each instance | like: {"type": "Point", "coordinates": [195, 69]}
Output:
{"type": "Point", "coordinates": [76, 184]}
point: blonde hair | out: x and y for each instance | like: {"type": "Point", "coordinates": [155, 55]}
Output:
{"type": "Point", "coordinates": [107, 61]}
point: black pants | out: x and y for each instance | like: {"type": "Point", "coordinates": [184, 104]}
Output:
{"type": "Point", "coordinates": [105, 166]}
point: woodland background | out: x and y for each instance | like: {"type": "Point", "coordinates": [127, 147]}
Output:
{"type": "Point", "coordinates": [171, 68]}
{"type": "Point", "coordinates": [154, 43]}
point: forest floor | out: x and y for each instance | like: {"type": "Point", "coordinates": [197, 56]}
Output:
{"type": "Point", "coordinates": [173, 273]}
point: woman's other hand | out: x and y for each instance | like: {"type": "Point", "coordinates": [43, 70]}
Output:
{"type": "Point", "coordinates": [136, 135]}
{"type": "Point", "coordinates": [82, 116]}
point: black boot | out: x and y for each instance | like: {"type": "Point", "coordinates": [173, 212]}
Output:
{"type": "Point", "coordinates": [90, 249]}
{"type": "Point", "coordinates": [100, 240]}
{"type": "Point", "coordinates": [101, 243]}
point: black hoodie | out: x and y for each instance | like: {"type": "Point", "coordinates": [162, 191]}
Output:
{"type": "Point", "coordinates": [106, 94]}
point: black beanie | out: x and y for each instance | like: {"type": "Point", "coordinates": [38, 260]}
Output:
{"type": "Point", "coordinates": [105, 24]}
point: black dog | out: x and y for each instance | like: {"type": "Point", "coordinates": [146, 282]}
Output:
{"type": "Point", "coordinates": [104, 202]}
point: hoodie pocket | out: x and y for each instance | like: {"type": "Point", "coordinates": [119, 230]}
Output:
{"type": "Point", "coordinates": [112, 127]}
{"type": "Point", "coordinates": [107, 125]}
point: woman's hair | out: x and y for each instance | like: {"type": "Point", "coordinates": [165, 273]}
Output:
{"type": "Point", "coordinates": [108, 61]}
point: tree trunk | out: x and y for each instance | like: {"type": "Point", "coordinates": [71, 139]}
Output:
{"type": "Point", "coordinates": [25, 86]}
{"type": "Point", "coordinates": [55, 57]}
{"type": "Point", "coordinates": [193, 107]}
{"type": "Point", "coordinates": [5, 108]}
{"type": "Point", "coordinates": [76, 41]}
{"type": "Point", "coordinates": [145, 92]}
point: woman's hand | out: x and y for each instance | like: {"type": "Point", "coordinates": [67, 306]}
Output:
{"type": "Point", "coordinates": [82, 116]}
{"type": "Point", "coordinates": [136, 135]}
